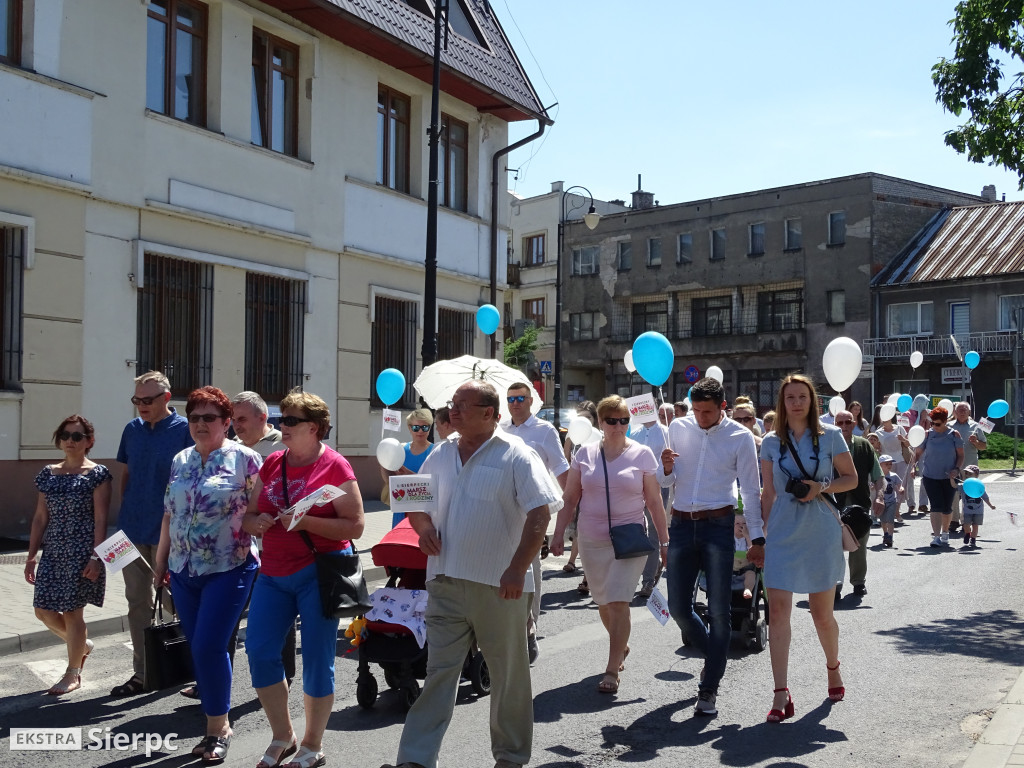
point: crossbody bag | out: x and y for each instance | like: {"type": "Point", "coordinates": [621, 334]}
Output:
{"type": "Point", "coordinates": [629, 539]}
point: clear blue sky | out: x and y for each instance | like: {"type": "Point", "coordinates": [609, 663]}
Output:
{"type": "Point", "coordinates": [708, 99]}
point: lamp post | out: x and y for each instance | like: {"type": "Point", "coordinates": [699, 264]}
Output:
{"type": "Point", "coordinates": [590, 218]}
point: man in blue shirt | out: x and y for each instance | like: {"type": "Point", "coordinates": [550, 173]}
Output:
{"type": "Point", "coordinates": [148, 444]}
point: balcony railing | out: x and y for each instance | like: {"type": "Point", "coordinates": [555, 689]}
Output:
{"type": "Point", "coordinates": [514, 278]}
{"type": "Point", "coordinates": [939, 347]}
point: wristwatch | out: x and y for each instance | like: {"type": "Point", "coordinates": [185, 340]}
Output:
{"type": "Point", "coordinates": [758, 542]}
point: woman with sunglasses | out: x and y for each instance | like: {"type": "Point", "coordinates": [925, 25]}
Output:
{"type": "Point", "coordinates": [416, 451]}
{"type": "Point", "coordinates": [210, 559]}
{"type": "Point", "coordinates": [613, 478]}
{"type": "Point", "coordinates": [287, 585]}
{"type": "Point", "coordinates": [940, 458]}
{"type": "Point", "coordinates": [70, 521]}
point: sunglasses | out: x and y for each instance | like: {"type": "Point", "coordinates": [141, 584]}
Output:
{"type": "Point", "coordinates": [516, 399]}
{"type": "Point", "coordinates": [294, 421]}
{"type": "Point", "coordinates": [147, 400]}
{"type": "Point", "coordinates": [744, 419]}
{"type": "Point", "coordinates": [611, 421]}
{"type": "Point", "coordinates": [209, 418]}
{"type": "Point", "coordinates": [419, 427]}
{"type": "Point", "coordinates": [75, 437]}
{"type": "Point", "coordinates": [841, 423]}
{"type": "Point", "coordinates": [451, 405]}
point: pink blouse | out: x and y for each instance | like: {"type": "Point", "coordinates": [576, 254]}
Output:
{"type": "Point", "coordinates": [625, 483]}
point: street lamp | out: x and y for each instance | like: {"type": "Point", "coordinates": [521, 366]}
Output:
{"type": "Point", "coordinates": [590, 218]}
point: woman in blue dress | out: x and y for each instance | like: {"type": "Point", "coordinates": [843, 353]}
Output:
{"type": "Point", "coordinates": [803, 550]}
{"type": "Point", "coordinates": [416, 451]}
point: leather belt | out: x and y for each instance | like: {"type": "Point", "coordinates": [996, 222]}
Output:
{"type": "Point", "coordinates": [703, 514]}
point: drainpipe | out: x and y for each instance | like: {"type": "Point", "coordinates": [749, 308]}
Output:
{"type": "Point", "coordinates": [494, 219]}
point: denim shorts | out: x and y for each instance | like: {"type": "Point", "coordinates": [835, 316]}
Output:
{"type": "Point", "coordinates": [973, 518]}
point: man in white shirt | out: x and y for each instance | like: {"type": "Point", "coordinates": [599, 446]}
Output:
{"type": "Point", "coordinates": [715, 452]}
{"type": "Point", "coordinates": [491, 518]}
{"type": "Point", "coordinates": [543, 438]}
{"type": "Point", "coordinates": [655, 437]}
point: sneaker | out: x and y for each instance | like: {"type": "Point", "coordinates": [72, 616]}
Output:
{"type": "Point", "coordinates": [887, 540]}
{"type": "Point", "coordinates": [937, 541]}
{"type": "Point", "coordinates": [923, 509]}
{"type": "Point", "coordinates": [944, 540]}
{"type": "Point", "coordinates": [532, 648]}
{"type": "Point", "coordinates": [860, 590]}
{"type": "Point", "coordinates": [705, 704]}
{"type": "Point", "coordinates": [646, 591]}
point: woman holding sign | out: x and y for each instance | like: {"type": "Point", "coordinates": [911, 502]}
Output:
{"type": "Point", "coordinates": [287, 585]}
{"type": "Point", "coordinates": [70, 520]}
{"type": "Point", "coordinates": [416, 451]}
{"type": "Point", "coordinates": [210, 558]}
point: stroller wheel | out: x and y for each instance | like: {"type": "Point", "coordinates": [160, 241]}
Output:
{"type": "Point", "coordinates": [759, 638]}
{"type": "Point", "coordinates": [366, 691]}
{"type": "Point", "coordinates": [389, 679]}
{"type": "Point", "coordinates": [479, 675]}
{"type": "Point", "coordinates": [410, 692]}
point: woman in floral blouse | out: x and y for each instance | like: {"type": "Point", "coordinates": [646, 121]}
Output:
{"type": "Point", "coordinates": [211, 560]}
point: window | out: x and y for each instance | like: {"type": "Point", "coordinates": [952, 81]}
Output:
{"type": "Point", "coordinates": [176, 59]}
{"type": "Point", "coordinates": [625, 257]}
{"type": "Point", "coordinates": [1007, 306]}
{"type": "Point", "coordinates": [393, 344]}
{"type": "Point", "coordinates": [711, 316]}
{"type": "Point", "coordinates": [453, 164]}
{"type": "Point", "coordinates": [910, 319]}
{"type": "Point", "coordinates": [717, 244]}
{"type": "Point", "coordinates": [533, 250]}
{"type": "Point", "coordinates": [583, 326]}
{"type": "Point", "coordinates": [12, 267]}
{"type": "Point", "coordinates": [275, 314]}
{"type": "Point", "coordinates": [455, 330]}
{"type": "Point", "coordinates": [175, 322]}
{"type": "Point", "coordinates": [794, 235]}
{"type": "Point", "coordinates": [650, 316]}
{"type": "Point", "coordinates": [837, 228]}
{"type": "Point", "coordinates": [392, 139]}
{"type": "Point", "coordinates": [10, 31]}
{"type": "Point", "coordinates": [761, 386]}
{"type": "Point", "coordinates": [960, 318]}
{"type": "Point", "coordinates": [462, 22]}
{"type": "Point", "coordinates": [533, 309]}
{"type": "Point", "coordinates": [684, 248]}
{"type": "Point", "coordinates": [836, 310]}
{"type": "Point", "coordinates": [574, 393]}
{"type": "Point", "coordinates": [654, 252]}
{"type": "Point", "coordinates": [584, 260]}
{"type": "Point", "coordinates": [756, 245]}
{"type": "Point", "coordinates": [913, 387]}
{"type": "Point", "coordinates": [275, 104]}
{"type": "Point", "coordinates": [780, 310]}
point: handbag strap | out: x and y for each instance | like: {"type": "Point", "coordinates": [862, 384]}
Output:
{"type": "Point", "coordinates": [607, 492]}
{"type": "Point", "coordinates": [158, 606]}
{"type": "Point", "coordinates": [829, 501]}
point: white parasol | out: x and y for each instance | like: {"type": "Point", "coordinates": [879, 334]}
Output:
{"type": "Point", "coordinates": [437, 383]}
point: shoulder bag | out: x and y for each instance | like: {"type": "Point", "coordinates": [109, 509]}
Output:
{"type": "Point", "coordinates": [850, 542]}
{"type": "Point", "coordinates": [629, 539]}
{"type": "Point", "coordinates": [166, 652]}
{"type": "Point", "coordinates": [343, 592]}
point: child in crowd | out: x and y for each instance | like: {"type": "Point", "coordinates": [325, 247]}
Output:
{"type": "Point", "coordinates": [890, 497]}
{"type": "Point", "coordinates": [973, 509]}
{"type": "Point", "coordinates": [740, 564]}
{"type": "Point", "coordinates": [875, 443]}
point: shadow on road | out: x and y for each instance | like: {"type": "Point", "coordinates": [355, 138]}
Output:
{"type": "Point", "coordinates": [995, 635]}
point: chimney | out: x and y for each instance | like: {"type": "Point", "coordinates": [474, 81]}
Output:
{"type": "Point", "coordinates": [642, 200]}
{"type": "Point", "coordinates": [556, 186]}
{"type": "Point", "coordinates": [617, 202]}
{"type": "Point", "coordinates": [988, 192]}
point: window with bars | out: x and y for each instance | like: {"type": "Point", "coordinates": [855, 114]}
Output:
{"type": "Point", "coordinates": [533, 250]}
{"type": "Point", "coordinates": [275, 315]}
{"type": "Point", "coordinates": [176, 59]}
{"type": "Point", "coordinates": [533, 309]}
{"type": "Point", "coordinates": [175, 322]}
{"type": "Point", "coordinates": [780, 310]}
{"type": "Point", "coordinates": [393, 110]}
{"type": "Point", "coordinates": [10, 32]}
{"type": "Point", "coordinates": [756, 239]}
{"type": "Point", "coordinates": [650, 316]}
{"type": "Point", "coordinates": [12, 270]}
{"type": "Point", "coordinates": [761, 386]}
{"type": "Point", "coordinates": [583, 326]}
{"type": "Point", "coordinates": [275, 104]}
{"type": "Point", "coordinates": [453, 164]}
{"type": "Point", "coordinates": [711, 315]}
{"type": "Point", "coordinates": [393, 344]}
{"type": "Point", "coordinates": [455, 330]}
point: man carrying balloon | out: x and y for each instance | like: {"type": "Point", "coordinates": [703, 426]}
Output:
{"type": "Point", "coordinates": [974, 441]}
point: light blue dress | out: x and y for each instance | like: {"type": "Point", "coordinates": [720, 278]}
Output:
{"type": "Point", "coordinates": [803, 542]}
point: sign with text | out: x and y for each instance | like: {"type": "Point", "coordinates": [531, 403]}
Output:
{"type": "Point", "coordinates": [116, 552]}
{"type": "Point", "coordinates": [986, 426]}
{"type": "Point", "coordinates": [322, 495]}
{"type": "Point", "coordinates": [413, 493]}
{"type": "Point", "coordinates": [903, 420]}
{"type": "Point", "coordinates": [955, 375]}
{"type": "Point", "coordinates": [392, 420]}
{"type": "Point", "coordinates": [658, 605]}
{"type": "Point", "coordinates": [642, 409]}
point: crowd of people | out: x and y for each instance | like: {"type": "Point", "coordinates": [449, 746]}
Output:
{"type": "Point", "coordinates": [209, 515]}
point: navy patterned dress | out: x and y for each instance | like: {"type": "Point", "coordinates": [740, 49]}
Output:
{"type": "Point", "coordinates": [68, 541]}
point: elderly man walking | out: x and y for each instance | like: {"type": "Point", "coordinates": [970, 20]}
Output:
{"type": "Point", "coordinates": [492, 515]}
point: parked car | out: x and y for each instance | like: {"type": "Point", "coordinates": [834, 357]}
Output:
{"type": "Point", "coordinates": [566, 415]}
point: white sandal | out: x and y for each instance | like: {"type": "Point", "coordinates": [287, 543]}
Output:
{"type": "Point", "coordinates": [289, 749]}
{"type": "Point", "coordinates": [67, 687]}
{"type": "Point", "coordinates": [307, 758]}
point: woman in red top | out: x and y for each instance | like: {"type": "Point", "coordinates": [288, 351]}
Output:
{"type": "Point", "coordinates": [287, 585]}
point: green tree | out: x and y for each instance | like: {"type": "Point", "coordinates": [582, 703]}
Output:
{"type": "Point", "coordinates": [975, 80]}
{"type": "Point", "coordinates": [518, 352]}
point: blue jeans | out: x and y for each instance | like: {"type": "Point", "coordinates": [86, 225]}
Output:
{"type": "Point", "coordinates": [694, 546]}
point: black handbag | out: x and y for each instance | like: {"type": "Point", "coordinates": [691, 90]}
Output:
{"type": "Point", "coordinates": [167, 655]}
{"type": "Point", "coordinates": [629, 539]}
{"type": "Point", "coordinates": [343, 593]}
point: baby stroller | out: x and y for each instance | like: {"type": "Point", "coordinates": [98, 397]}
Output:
{"type": "Point", "coordinates": [749, 626]}
{"type": "Point", "coordinates": [394, 646]}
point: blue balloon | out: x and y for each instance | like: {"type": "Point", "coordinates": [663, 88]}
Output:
{"type": "Point", "coordinates": [998, 408]}
{"type": "Point", "coordinates": [390, 385]}
{"type": "Point", "coordinates": [971, 359]}
{"type": "Point", "coordinates": [903, 403]}
{"type": "Point", "coordinates": [974, 488]}
{"type": "Point", "coordinates": [488, 318]}
{"type": "Point", "coordinates": [653, 357]}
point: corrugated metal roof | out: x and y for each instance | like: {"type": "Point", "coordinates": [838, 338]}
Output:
{"type": "Point", "coordinates": [961, 243]}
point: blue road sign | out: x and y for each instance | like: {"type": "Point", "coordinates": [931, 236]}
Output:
{"type": "Point", "coordinates": [692, 374]}
{"type": "Point", "coordinates": [545, 367]}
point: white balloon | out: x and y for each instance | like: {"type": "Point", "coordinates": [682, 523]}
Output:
{"type": "Point", "coordinates": [915, 436]}
{"type": "Point", "coordinates": [594, 436]}
{"type": "Point", "coordinates": [627, 360]}
{"type": "Point", "coordinates": [887, 412]}
{"type": "Point", "coordinates": [714, 372]}
{"type": "Point", "coordinates": [893, 398]}
{"type": "Point", "coordinates": [579, 429]}
{"type": "Point", "coordinates": [947, 404]}
{"type": "Point", "coordinates": [688, 404]}
{"type": "Point", "coordinates": [836, 404]}
{"type": "Point", "coordinates": [842, 361]}
{"type": "Point", "coordinates": [916, 358]}
{"type": "Point", "coordinates": [390, 454]}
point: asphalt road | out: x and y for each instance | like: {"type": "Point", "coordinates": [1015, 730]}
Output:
{"type": "Point", "coordinates": [926, 656]}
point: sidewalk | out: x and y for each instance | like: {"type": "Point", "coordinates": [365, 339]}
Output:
{"type": "Point", "coordinates": [1002, 742]}
{"type": "Point", "coordinates": [21, 631]}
